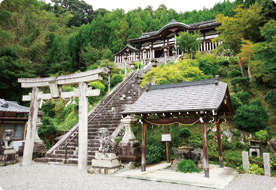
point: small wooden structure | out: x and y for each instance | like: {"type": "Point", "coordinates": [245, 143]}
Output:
{"type": "Point", "coordinates": [13, 116]}
{"type": "Point", "coordinates": [195, 102]}
{"type": "Point", "coordinates": [55, 86]}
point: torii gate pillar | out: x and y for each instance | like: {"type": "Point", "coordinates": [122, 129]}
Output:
{"type": "Point", "coordinates": [83, 126]}
{"type": "Point", "coordinates": [31, 132]}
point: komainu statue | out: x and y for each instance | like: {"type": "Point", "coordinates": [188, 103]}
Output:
{"type": "Point", "coordinates": [107, 143]}
{"type": "Point", "coordinates": [8, 138]}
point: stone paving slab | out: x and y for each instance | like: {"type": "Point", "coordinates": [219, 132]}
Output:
{"type": "Point", "coordinates": [219, 177]}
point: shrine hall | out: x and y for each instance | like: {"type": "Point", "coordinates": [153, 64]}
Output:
{"type": "Point", "coordinates": [161, 44]}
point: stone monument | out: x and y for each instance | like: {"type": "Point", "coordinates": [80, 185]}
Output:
{"type": "Point", "coordinates": [106, 160]}
{"type": "Point", "coordinates": [7, 152]}
{"type": "Point", "coordinates": [129, 149]}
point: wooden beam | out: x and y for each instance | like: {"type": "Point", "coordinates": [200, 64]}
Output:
{"type": "Point", "coordinates": [14, 118]}
{"type": "Point", "coordinates": [169, 121]}
{"type": "Point", "coordinates": [37, 83]}
{"type": "Point", "coordinates": [219, 145]}
{"type": "Point", "coordinates": [205, 150]}
{"type": "Point", "coordinates": [144, 139]}
{"type": "Point", "coordinates": [168, 145]}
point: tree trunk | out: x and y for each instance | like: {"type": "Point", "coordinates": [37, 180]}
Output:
{"type": "Point", "coordinates": [250, 74]}
{"type": "Point", "coordinates": [242, 70]}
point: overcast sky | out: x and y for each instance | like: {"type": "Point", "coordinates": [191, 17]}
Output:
{"type": "Point", "coordinates": [178, 5]}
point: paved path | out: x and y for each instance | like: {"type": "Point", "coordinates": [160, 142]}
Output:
{"type": "Point", "coordinates": [50, 177]}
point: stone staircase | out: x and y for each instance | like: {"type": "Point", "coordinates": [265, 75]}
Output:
{"type": "Point", "coordinates": [106, 114]}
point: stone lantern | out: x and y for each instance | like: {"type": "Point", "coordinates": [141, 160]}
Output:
{"type": "Point", "coordinates": [129, 148]}
{"type": "Point", "coordinates": [109, 76]}
{"type": "Point", "coordinates": [138, 59]}
{"type": "Point", "coordinates": [154, 61]}
{"type": "Point", "coordinates": [254, 147]}
{"type": "Point", "coordinates": [125, 58]}
{"type": "Point", "coordinates": [132, 65]}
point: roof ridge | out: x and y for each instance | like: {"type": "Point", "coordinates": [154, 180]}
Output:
{"type": "Point", "coordinates": [184, 84]}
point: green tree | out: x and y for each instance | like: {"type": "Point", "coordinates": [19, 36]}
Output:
{"type": "Point", "coordinates": [263, 66]}
{"type": "Point", "coordinates": [12, 68]}
{"type": "Point", "coordinates": [244, 25]}
{"type": "Point", "coordinates": [183, 70]}
{"type": "Point", "coordinates": [252, 117]}
{"type": "Point", "coordinates": [189, 42]}
{"type": "Point", "coordinates": [81, 11]}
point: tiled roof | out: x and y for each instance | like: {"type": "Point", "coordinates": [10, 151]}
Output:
{"type": "Point", "coordinates": [200, 95]}
{"type": "Point", "coordinates": [174, 22]}
{"type": "Point", "coordinates": [130, 47]}
{"type": "Point", "coordinates": [11, 106]}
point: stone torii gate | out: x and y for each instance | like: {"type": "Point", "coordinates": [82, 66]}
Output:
{"type": "Point", "coordinates": [55, 86]}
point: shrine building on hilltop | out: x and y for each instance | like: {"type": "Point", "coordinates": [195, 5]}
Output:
{"type": "Point", "coordinates": [161, 44]}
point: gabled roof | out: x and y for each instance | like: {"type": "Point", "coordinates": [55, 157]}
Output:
{"type": "Point", "coordinates": [11, 106]}
{"type": "Point", "coordinates": [203, 95]}
{"type": "Point", "coordinates": [128, 48]}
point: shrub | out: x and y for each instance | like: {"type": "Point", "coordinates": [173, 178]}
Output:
{"type": "Point", "coordinates": [116, 79]}
{"type": "Point", "coordinates": [155, 153]}
{"type": "Point", "coordinates": [273, 162]}
{"type": "Point", "coordinates": [47, 132]}
{"type": "Point", "coordinates": [270, 98]}
{"type": "Point", "coordinates": [235, 73]}
{"type": "Point", "coordinates": [255, 169]}
{"type": "Point", "coordinates": [186, 166]}
{"type": "Point", "coordinates": [224, 62]}
{"type": "Point", "coordinates": [244, 96]}
{"type": "Point", "coordinates": [252, 117]}
{"type": "Point", "coordinates": [48, 109]}
{"type": "Point", "coordinates": [96, 85]}
{"type": "Point", "coordinates": [222, 73]}
{"type": "Point", "coordinates": [184, 133]}
{"type": "Point", "coordinates": [234, 60]}
{"type": "Point", "coordinates": [262, 135]}
{"type": "Point", "coordinates": [208, 63]}
{"type": "Point", "coordinates": [241, 83]}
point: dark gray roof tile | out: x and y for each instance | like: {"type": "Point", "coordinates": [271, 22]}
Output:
{"type": "Point", "coordinates": [186, 96]}
{"type": "Point", "coordinates": [12, 106]}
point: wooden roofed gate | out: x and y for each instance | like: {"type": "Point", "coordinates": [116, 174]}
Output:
{"type": "Point", "coordinates": [195, 102]}
{"type": "Point", "coordinates": [55, 86]}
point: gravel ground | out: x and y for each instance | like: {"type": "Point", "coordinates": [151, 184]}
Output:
{"type": "Point", "coordinates": [41, 176]}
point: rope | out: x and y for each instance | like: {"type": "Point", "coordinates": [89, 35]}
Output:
{"type": "Point", "coordinates": [176, 122]}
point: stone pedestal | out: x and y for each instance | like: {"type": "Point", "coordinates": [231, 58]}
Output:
{"type": "Point", "coordinates": [38, 152]}
{"type": "Point", "coordinates": [7, 156]}
{"type": "Point", "coordinates": [129, 149]}
{"type": "Point", "coordinates": [105, 163]}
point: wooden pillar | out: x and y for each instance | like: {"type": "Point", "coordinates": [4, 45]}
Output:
{"type": "Point", "coordinates": [144, 139]}
{"type": "Point", "coordinates": [219, 145]}
{"type": "Point", "coordinates": [205, 150]}
{"type": "Point", "coordinates": [83, 126]}
{"type": "Point", "coordinates": [167, 145]}
{"type": "Point", "coordinates": [31, 130]}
